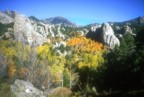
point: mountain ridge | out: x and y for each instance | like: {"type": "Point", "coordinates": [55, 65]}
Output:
{"type": "Point", "coordinates": [58, 20]}
{"type": "Point", "coordinates": [30, 27]}
{"type": "Point", "coordinates": [62, 20]}
{"type": "Point", "coordinates": [137, 21]}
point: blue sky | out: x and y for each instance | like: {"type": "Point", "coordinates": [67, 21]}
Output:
{"type": "Point", "coordinates": [81, 12]}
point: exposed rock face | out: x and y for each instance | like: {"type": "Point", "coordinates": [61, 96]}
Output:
{"type": "Point", "coordinates": [127, 29]}
{"type": "Point", "coordinates": [24, 31]}
{"type": "Point", "coordinates": [10, 13]}
{"type": "Point", "coordinates": [25, 89]}
{"type": "Point", "coordinates": [117, 28]}
{"type": "Point", "coordinates": [7, 35]}
{"type": "Point", "coordinates": [5, 19]}
{"type": "Point", "coordinates": [108, 36]}
{"type": "Point", "coordinates": [107, 30]}
{"type": "Point", "coordinates": [104, 34]}
{"type": "Point", "coordinates": [34, 31]}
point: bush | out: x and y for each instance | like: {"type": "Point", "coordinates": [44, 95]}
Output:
{"type": "Point", "coordinates": [5, 89]}
{"type": "Point", "coordinates": [61, 92]}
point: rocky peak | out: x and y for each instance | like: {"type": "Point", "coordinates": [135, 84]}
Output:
{"type": "Point", "coordinates": [34, 19]}
{"type": "Point", "coordinates": [24, 31]}
{"type": "Point", "coordinates": [140, 19]}
{"type": "Point", "coordinates": [107, 29]}
{"type": "Point", "coordinates": [10, 13]}
{"type": "Point", "coordinates": [5, 19]}
{"type": "Point", "coordinates": [59, 20]}
{"type": "Point", "coordinates": [105, 35]}
{"type": "Point", "coordinates": [108, 36]}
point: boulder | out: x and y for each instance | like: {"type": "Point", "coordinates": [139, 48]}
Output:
{"type": "Point", "coordinates": [7, 35]}
{"type": "Point", "coordinates": [22, 88]}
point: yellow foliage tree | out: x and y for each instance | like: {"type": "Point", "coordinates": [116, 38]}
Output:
{"type": "Point", "coordinates": [84, 44]}
{"type": "Point", "coordinates": [54, 63]}
{"type": "Point", "coordinates": [90, 61]}
{"type": "Point", "coordinates": [90, 53]}
{"type": "Point", "coordinates": [7, 49]}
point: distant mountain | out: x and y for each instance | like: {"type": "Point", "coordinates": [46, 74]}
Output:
{"type": "Point", "coordinates": [59, 20]}
{"type": "Point", "coordinates": [139, 21]}
{"type": "Point", "coordinates": [33, 18]}
{"type": "Point", "coordinates": [133, 25]}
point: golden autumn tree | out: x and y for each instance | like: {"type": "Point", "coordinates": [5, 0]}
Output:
{"type": "Point", "coordinates": [90, 52]}
{"type": "Point", "coordinates": [87, 56]}
{"type": "Point", "coordinates": [84, 44]}
{"type": "Point", "coordinates": [7, 50]}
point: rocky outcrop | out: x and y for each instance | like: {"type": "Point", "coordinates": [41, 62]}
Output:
{"type": "Point", "coordinates": [22, 88]}
{"type": "Point", "coordinates": [94, 28]}
{"type": "Point", "coordinates": [127, 29]}
{"type": "Point", "coordinates": [8, 35]}
{"type": "Point", "coordinates": [105, 35]}
{"type": "Point", "coordinates": [10, 13]}
{"type": "Point", "coordinates": [108, 36]}
{"type": "Point", "coordinates": [24, 31]}
{"type": "Point", "coordinates": [34, 31]}
{"type": "Point", "coordinates": [5, 19]}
